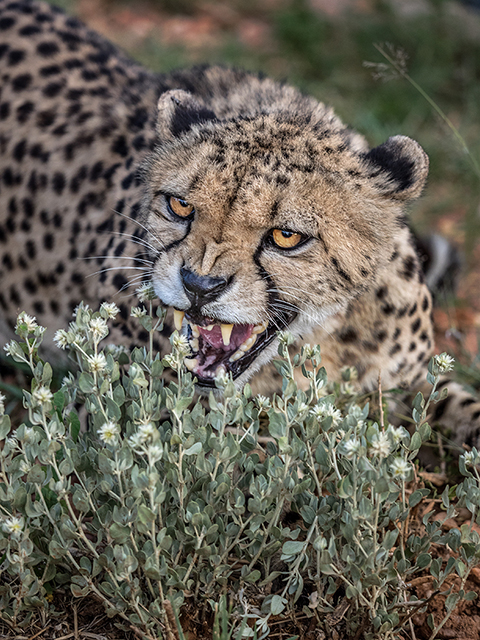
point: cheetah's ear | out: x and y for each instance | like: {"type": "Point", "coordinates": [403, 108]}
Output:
{"type": "Point", "coordinates": [178, 111]}
{"type": "Point", "coordinates": [403, 166]}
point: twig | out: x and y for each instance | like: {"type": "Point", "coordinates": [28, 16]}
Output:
{"type": "Point", "coordinates": [414, 637]}
{"type": "Point", "coordinates": [75, 622]}
{"type": "Point", "coordinates": [380, 400]}
{"type": "Point", "coordinates": [414, 610]}
{"type": "Point", "coordinates": [172, 630]}
{"type": "Point", "coordinates": [39, 632]}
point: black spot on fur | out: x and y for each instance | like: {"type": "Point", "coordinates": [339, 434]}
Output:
{"type": "Point", "coordinates": [48, 241]}
{"type": "Point", "coordinates": [381, 292]}
{"type": "Point", "coordinates": [409, 268]}
{"type": "Point", "coordinates": [58, 183]}
{"type": "Point", "coordinates": [348, 335]}
{"type": "Point", "coordinates": [50, 70]}
{"type": "Point", "coordinates": [53, 89]}
{"type": "Point", "coordinates": [46, 118]}
{"type": "Point", "coordinates": [119, 281]}
{"type": "Point", "coordinates": [340, 271]}
{"type": "Point", "coordinates": [15, 57]}
{"type": "Point", "coordinates": [120, 146]}
{"type": "Point", "coordinates": [6, 23]}
{"type": "Point", "coordinates": [24, 111]}
{"type": "Point", "coordinates": [416, 325]}
{"type": "Point", "coordinates": [395, 349]}
{"type": "Point", "coordinates": [440, 409]}
{"type": "Point", "coordinates": [388, 309]}
{"type": "Point", "coordinates": [48, 49]}
{"type": "Point", "coordinates": [4, 110]}
{"type": "Point", "coordinates": [137, 120]}
{"type": "Point", "coordinates": [29, 30]}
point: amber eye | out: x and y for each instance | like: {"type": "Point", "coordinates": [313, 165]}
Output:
{"type": "Point", "coordinates": [180, 207]}
{"type": "Point", "coordinates": [286, 239]}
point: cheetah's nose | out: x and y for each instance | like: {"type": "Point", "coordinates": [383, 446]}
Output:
{"type": "Point", "coordinates": [202, 289]}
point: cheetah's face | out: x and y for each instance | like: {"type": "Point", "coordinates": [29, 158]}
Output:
{"type": "Point", "coordinates": [267, 224]}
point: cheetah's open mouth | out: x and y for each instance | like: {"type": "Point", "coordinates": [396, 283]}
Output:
{"type": "Point", "coordinates": [231, 348]}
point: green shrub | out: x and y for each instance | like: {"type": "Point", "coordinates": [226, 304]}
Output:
{"type": "Point", "coordinates": [161, 500]}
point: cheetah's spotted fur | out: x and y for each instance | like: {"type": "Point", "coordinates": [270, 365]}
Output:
{"type": "Point", "coordinates": [247, 155]}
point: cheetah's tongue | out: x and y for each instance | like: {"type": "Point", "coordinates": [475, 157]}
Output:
{"type": "Point", "coordinates": [226, 337]}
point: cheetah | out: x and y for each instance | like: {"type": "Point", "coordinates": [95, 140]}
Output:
{"type": "Point", "coordinates": [251, 207]}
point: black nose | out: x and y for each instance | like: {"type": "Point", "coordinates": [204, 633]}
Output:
{"type": "Point", "coordinates": [202, 289]}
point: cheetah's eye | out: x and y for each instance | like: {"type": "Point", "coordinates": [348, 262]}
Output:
{"type": "Point", "coordinates": [180, 207]}
{"type": "Point", "coordinates": [286, 239]}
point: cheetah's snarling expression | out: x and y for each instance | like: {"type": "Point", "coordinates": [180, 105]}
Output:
{"type": "Point", "coordinates": [267, 223]}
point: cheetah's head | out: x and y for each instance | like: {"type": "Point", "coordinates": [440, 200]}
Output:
{"type": "Point", "coordinates": [267, 222]}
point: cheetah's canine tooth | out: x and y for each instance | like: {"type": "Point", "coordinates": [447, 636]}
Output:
{"type": "Point", "coordinates": [226, 330]}
{"type": "Point", "coordinates": [178, 319]}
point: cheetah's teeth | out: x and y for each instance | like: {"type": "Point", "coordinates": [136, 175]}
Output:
{"type": "Point", "coordinates": [190, 363]}
{"type": "Point", "coordinates": [260, 328]}
{"type": "Point", "coordinates": [195, 331]}
{"type": "Point", "coordinates": [221, 369]}
{"type": "Point", "coordinates": [178, 319]}
{"type": "Point", "coordinates": [226, 330]}
{"type": "Point", "coordinates": [243, 348]}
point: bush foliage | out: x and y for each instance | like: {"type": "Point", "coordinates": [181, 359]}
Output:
{"type": "Point", "coordinates": [163, 500]}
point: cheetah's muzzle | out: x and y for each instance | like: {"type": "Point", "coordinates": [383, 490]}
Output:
{"type": "Point", "coordinates": [230, 348]}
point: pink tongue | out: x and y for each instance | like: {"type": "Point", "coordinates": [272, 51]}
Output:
{"type": "Point", "coordinates": [240, 333]}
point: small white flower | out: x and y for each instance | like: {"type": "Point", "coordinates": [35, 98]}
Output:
{"type": "Point", "coordinates": [61, 339]}
{"type": "Point", "coordinates": [115, 350]}
{"type": "Point", "coordinates": [380, 445]}
{"type": "Point", "coordinates": [146, 292]}
{"type": "Point", "coordinates": [170, 361]}
{"type": "Point", "coordinates": [2, 404]}
{"type": "Point", "coordinates": [398, 433]}
{"type": "Point", "coordinates": [155, 452]}
{"type": "Point", "coordinates": [68, 380]}
{"type": "Point", "coordinates": [97, 363]}
{"type": "Point", "coordinates": [42, 394]}
{"type": "Point", "coordinates": [351, 447]}
{"type": "Point", "coordinates": [471, 458]}
{"type": "Point", "coordinates": [13, 526]}
{"type": "Point", "coordinates": [29, 435]}
{"type": "Point", "coordinates": [400, 468]}
{"type": "Point", "coordinates": [349, 373]}
{"type": "Point", "coordinates": [444, 362]}
{"type": "Point", "coordinates": [286, 338]}
{"type": "Point", "coordinates": [347, 389]}
{"type": "Point", "coordinates": [109, 432]}
{"type": "Point", "coordinates": [136, 443]}
{"type": "Point", "coordinates": [302, 407]}
{"type": "Point", "coordinates": [24, 466]}
{"type": "Point", "coordinates": [324, 410]}
{"type": "Point", "coordinates": [180, 343]}
{"type": "Point", "coordinates": [138, 312]}
{"type": "Point", "coordinates": [24, 318]}
{"type": "Point", "coordinates": [110, 309]}
{"type": "Point", "coordinates": [146, 431]}
{"type": "Point", "coordinates": [11, 442]}
{"type": "Point", "coordinates": [10, 348]}
{"type": "Point", "coordinates": [263, 402]}
{"type": "Point", "coordinates": [99, 329]}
